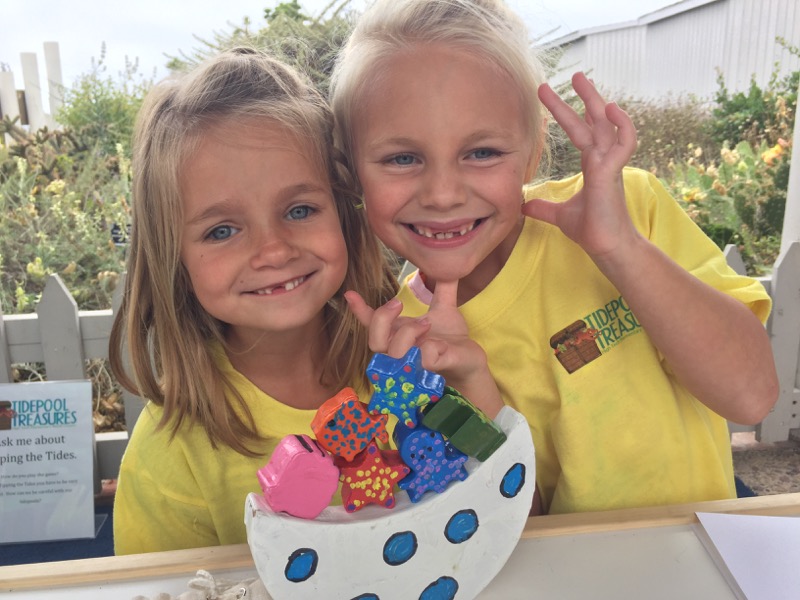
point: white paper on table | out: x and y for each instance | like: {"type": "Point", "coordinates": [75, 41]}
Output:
{"type": "Point", "coordinates": [759, 556]}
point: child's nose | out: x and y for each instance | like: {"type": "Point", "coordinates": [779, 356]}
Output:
{"type": "Point", "coordinates": [443, 187]}
{"type": "Point", "coordinates": [272, 250]}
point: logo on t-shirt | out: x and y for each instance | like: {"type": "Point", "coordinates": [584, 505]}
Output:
{"type": "Point", "coordinates": [575, 346]}
{"type": "Point", "coordinates": [595, 334]}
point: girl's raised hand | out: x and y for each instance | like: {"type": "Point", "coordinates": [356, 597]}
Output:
{"type": "Point", "coordinates": [596, 217]}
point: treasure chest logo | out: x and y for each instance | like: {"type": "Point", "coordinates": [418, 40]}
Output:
{"type": "Point", "coordinates": [6, 415]}
{"type": "Point", "coordinates": [575, 346]}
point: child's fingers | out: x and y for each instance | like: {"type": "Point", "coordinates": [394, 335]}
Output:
{"type": "Point", "coordinates": [605, 133]}
{"type": "Point", "coordinates": [626, 133]}
{"type": "Point", "coordinates": [434, 354]}
{"type": "Point", "coordinates": [407, 335]}
{"type": "Point", "coordinates": [577, 130]}
{"type": "Point", "coordinates": [594, 103]}
{"type": "Point", "coordinates": [379, 322]}
{"type": "Point", "coordinates": [384, 325]}
{"type": "Point", "coordinates": [542, 210]}
{"type": "Point", "coordinates": [362, 311]}
{"type": "Point", "coordinates": [445, 295]}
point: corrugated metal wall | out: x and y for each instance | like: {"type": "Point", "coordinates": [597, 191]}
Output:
{"type": "Point", "coordinates": [679, 49]}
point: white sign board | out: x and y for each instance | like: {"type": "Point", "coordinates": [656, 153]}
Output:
{"type": "Point", "coordinates": [46, 461]}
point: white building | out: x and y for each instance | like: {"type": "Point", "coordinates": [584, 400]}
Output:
{"type": "Point", "coordinates": [678, 49]}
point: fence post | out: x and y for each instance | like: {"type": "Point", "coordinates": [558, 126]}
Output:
{"type": "Point", "coordinates": [5, 354]}
{"type": "Point", "coordinates": [55, 81]}
{"type": "Point", "coordinates": [785, 334]}
{"type": "Point", "coordinates": [734, 259]}
{"type": "Point", "coordinates": [9, 106]}
{"type": "Point", "coordinates": [60, 331]}
{"type": "Point", "coordinates": [791, 218]}
{"type": "Point", "coordinates": [33, 91]}
{"type": "Point", "coordinates": [62, 343]}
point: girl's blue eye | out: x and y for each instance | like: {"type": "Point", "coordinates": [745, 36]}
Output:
{"type": "Point", "coordinates": [402, 160]}
{"type": "Point", "coordinates": [297, 213]}
{"type": "Point", "coordinates": [483, 153]}
{"type": "Point", "coordinates": [222, 232]}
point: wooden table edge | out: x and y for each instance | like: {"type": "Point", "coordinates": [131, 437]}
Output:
{"type": "Point", "coordinates": [221, 558]}
{"type": "Point", "coordinates": [657, 516]}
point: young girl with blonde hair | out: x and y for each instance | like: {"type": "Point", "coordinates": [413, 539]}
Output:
{"type": "Point", "coordinates": [245, 237]}
{"type": "Point", "coordinates": [609, 319]}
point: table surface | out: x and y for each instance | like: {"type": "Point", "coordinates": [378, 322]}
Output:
{"type": "Point", "coordinates": [633, 553]}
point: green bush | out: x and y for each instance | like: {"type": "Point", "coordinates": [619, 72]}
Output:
{"type": "Point", "coordinates": [100, 110]}
{"type": "Point", "coordinates": [65, 194]}
{"type": "Point", "coordinates": [738, 195]}
{"type": "Point", "coordinates": [759, 115]}
{"type": "Point", "coordinates": [738, 198]}
{"type": "Point", "coordinates": [59, 220]}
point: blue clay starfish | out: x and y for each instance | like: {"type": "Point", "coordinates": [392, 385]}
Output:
{"type": "Point", "coordinates": [401, 385]}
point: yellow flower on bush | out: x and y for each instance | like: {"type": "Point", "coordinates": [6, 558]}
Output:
{"type": "Point", "coordinates": [729, 157]}
{"type": "Point", "coordinates": [35, 269]}
{"type": "Point", "coordinates": [772, 154]}
{"type": "Point", "coordinates": [693, 194]}
{"type": "Point", "coordinates": [56, 187]}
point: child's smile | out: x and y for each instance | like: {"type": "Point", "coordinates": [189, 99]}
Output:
{"type": "Point", "coordinates": [442, 152]}
{"type": "Point", "coordinates": [441, 233]}
{"type": "Point", "coordinates": [279, 288]}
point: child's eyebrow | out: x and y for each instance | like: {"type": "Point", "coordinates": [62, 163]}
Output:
{"type": "Point", "coordinates": [475, 137]}
{"type": "Point", "coordinates": [484, 134]}
{"type": "Point", "coordinates": [226, 206]}
{"type": "Point", "coordinates": [215, 210]}
{"type": "Point", "coordinates": [390, 141]}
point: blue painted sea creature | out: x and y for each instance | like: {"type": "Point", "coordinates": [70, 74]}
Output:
{"type": "Point", "coordinates": [402, 385]}
{"type": "Point", "coordinates": [434, 462]}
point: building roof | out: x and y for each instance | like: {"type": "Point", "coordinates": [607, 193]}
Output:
{"type": "Point", "coordinates": [651, 17]}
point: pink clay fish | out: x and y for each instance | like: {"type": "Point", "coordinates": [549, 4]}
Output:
{"type": "Point", "coordinates": [300, 477]}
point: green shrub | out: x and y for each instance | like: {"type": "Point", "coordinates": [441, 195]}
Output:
{"type": "Point", "coordinates": [738, 198]}
{"type": "Point", "coordinates": [758, 115]}
{"type": "Point", "coordinates": [63, 192]}
{"type": "Point", "coordinates": [100, 110]}
{"type": "Point", "coordinates": [61, 225]}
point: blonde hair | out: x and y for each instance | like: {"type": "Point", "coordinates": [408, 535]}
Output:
{"type": "Point", "coordinates": [487, 29]}
{"type": "Point", "coordinates": [162, 327]}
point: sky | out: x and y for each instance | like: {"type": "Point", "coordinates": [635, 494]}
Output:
{"type": "Point", "coordinates": [147, 30]}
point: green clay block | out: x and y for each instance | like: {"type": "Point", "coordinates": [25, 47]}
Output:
{"type": "Point", "coordinates": [465, 425]}
{"type": "Point", "coordinates": [447, 414]}
{"type": "Point", "coordinates": [478, 438]}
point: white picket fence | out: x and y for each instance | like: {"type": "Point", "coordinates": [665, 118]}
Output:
{"type": "Point", "coordinates": [28, 102]}
{"type": "Point", "coordinates": [63, 338]}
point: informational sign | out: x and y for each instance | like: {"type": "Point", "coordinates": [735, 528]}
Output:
{"type": "Point", "coordinates": [46, 461]}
